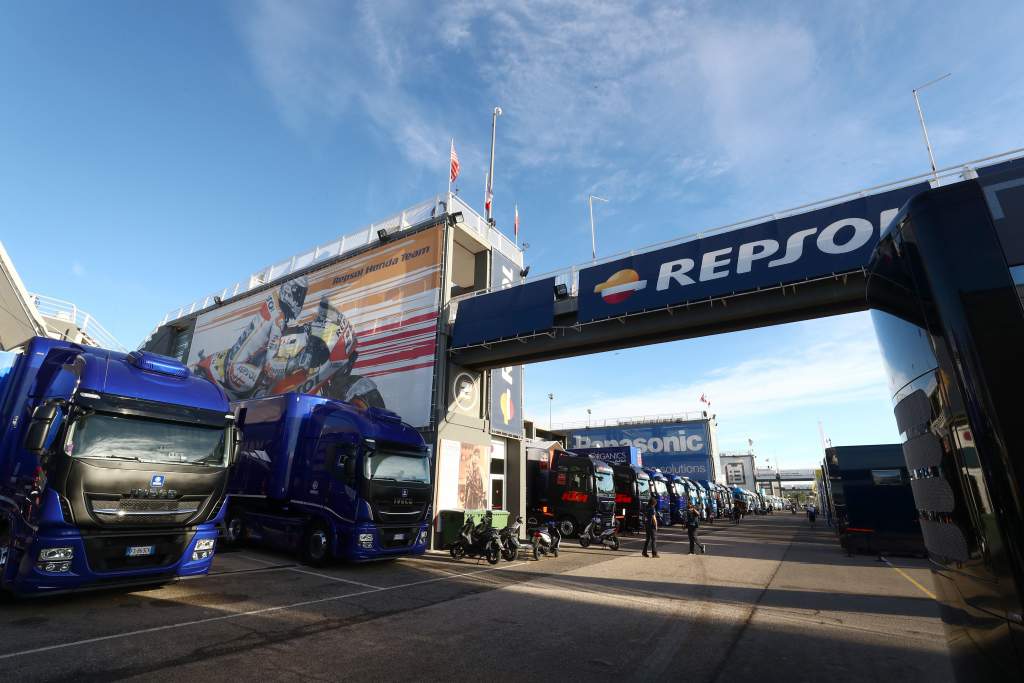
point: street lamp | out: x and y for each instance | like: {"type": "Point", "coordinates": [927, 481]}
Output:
{"type": "Point", "coordinates": [588, 418]}
{"type": "Point", "coordinates": [924, 128]}
{"type": "Point", "coordinates": [593, 242]}
{"type": "Point", "coordinates": [490, 175]}
{"type": "Point", "coordinates": [551, 399]}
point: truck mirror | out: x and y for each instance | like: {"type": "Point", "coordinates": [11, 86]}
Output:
{"type": "Point", "coordinates": [350, 465]}
{"type": "Point", "coordinates": [46, 420]}
{"type": "Point", "coordinates": [234, 443]}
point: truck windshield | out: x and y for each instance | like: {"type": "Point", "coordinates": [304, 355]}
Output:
{"type": "Point", "coordinates": [605, 483]}
{"type": "Point", "coordinates": [660, 488]}
{"type": "Point", "coordinates": [128, 438]}
{"type": "Point", "coordinates": [644, 487]}
{"type": "Point", "coordinates": [398, 467]}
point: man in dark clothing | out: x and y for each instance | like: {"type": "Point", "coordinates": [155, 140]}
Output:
{"type": "Point", "coordinates": [692, 522]}
{"type": "Point", "coordinates": [651, 526]}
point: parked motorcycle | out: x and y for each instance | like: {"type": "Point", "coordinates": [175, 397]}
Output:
{"type": "Point", "coordinates": [596, 532]}
{"type": "Point", "coordinates": [509, 538]}
{"type": "Point", "coordinates": [546, 540]}
{"type": "Point", "coordinates": [481, 540]}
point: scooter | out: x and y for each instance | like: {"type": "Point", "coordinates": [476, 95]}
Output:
{"type": "Point", "coordinates": [509, 539]}
{"type": "Point", "coordinates": [479, 541]}
{"type": "Point", "coordinates": [595, 532]}
{"type": "Point", "coordinates": [546, 540]}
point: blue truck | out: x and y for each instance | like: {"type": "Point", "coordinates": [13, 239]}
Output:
{"type": "Point", "coordinates": [328, 479]}
{"type": "Point", "coordinates": [113, 468]}
{"type": "Point", "coordinates": [659, 490]}
{"type": "Point", "coordinates": [632, 483]}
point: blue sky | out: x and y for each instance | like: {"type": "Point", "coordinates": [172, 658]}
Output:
{"type": "Point", "coordinates": [153, 152]}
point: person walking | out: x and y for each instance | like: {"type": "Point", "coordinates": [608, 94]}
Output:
{"type": "Point", "coordinates": [812, 514]}
{"type": "Point", "coordinates": [692, 523]}
{"type": "Point", "coordinates": [651, 527]}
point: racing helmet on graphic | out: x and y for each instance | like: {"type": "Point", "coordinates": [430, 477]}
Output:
{"type": "Point", "coordinates": [291, 296]}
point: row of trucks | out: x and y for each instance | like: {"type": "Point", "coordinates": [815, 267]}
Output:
{"type": "Point", "coordinates": [120, 469]}
{"type": "Point", "coordinates": [570, 488]}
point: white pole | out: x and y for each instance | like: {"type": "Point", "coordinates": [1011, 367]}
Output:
{"type": "Point", "coordinates": [593, 239]}
{"type": "Point", "coordinates": [924, 128]}
{"type": "Point", "coordinates": [490, 175]}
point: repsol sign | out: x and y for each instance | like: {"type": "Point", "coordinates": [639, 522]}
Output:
{"type": "Point", "coordinates": [834, 239]}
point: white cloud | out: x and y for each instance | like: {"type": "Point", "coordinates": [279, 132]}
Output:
{"type": "Point", "coordinates": [77, 269]}
{"type": "Point", "coordinates": [798, 373]}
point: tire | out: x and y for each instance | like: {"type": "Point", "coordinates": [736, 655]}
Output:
{"type": "Point", "coordinates": [567, 526]}
{"type": "Point", "coordinates": [234, 529]}
{"type": "Point", "coordinates": [536, 550]}
{"type": "Point", "coordinates": [493, 552]}
{"type": "Point", "coordinates": [511, 554]}
{"type": "Point", "coordinates": [554, 552]}
{"type": "Point", "coordinates": [457, 550]}
{"type": "Point", "coordinates": [584, 540]}
{"type": "Point", "coordinates": [614, 543]}
{"type": "Point", "coordinates": [316, 545]}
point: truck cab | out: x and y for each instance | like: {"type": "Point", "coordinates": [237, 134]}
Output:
{"type": "Point", "coordinates": [329, 479]}
{"type": "Point", "coordinates": [113, 468]}
{"type": "Point", "coordinates": [659, 489]}
{"type": "Point", "coordinates": [569, 489]}
{"type": "Point", "coordinates": [632, 489]}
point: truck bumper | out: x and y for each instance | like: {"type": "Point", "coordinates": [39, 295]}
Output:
{"type": "Point", "coordinates": [38, 577]}
{"type": "Point", "coordinates": [371, 542]}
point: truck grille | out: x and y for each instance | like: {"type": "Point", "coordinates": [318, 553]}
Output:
{"type": "Point", "coordinates": [143, 511]}
{"type": "Point", "coordinates": [109, 553]}
{"type": "Point", "coordinates": [400, 513]}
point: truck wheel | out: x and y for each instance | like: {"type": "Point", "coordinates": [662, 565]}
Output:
{"type": "Point", "coordinates": [567, 526]}
{"type": "Point", "coordinates": [234, 528]}
{"type": "Point", "coordinates": [316, 547]}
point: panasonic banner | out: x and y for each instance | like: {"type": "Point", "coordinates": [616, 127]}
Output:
{"type": "Point", "coordinates": [682, 448]}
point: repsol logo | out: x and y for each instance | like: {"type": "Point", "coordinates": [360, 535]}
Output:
{"type": "Point", "coordinates": [840, 237]}
{"type": "Point", "coordinates": [680, 442]}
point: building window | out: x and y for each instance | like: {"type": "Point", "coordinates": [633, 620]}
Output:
{"type": "Point", "coordinates": [734, 473]}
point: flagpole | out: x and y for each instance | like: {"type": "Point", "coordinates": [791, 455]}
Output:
{"type": "Point", "coordinates": [490, 174]}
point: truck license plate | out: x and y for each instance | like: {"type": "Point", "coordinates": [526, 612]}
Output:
{"type": "Point", "coordinates": [399, 537]}
{"type": "Point", "coordinates": [140, 550]}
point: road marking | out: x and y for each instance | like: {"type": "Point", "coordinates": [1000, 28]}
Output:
{"type": "Point", "coordinates": [909, 578]}
{"type": "Point", "coordinates": [255, 559]}
{"type": "Point", "coordinates": [255, 612]}
{"type": "Point", "coordinates": [332, 578]}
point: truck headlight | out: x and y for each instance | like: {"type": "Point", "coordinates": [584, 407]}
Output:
{"type": "Point", "coordinates": [55, 567]}
{"type": "Point", "coordinates": [51, 554]}
{"type": "Point", "coordinates": [422, 538]}
{"type": "Point", "coordinates": [204, 549]}
{"type": "Point", "coordinates": [366, 540]}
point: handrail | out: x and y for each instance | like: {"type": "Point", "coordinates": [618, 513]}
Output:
{"type": "Point", "coordinates": [439, 205]}
{"type": "Point", "coordinates": [633, 421]}
{"type": "Point", "coordinates": [59, 309]}
{"type": "Point", "coordinates": [569, 276]}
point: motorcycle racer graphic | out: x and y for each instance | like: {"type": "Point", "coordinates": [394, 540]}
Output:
{"type": "Point", "coordinates": [276, 354]}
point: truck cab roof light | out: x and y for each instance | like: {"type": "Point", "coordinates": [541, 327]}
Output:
{"type": "Point", "coordinates": [163, 365]}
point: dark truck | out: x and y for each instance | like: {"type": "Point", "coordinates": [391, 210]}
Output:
{"type": "Point", "coordinates": [632, 483]}
{"type": "Point", "coordinates": [880, 515]}
{"type": "Point", "coordinates": [946, 285]}
{"type": "Point", "coordinates": [569, 489]}
{"type": "Point", "coordinates": [329, 479]}
{"type": "Point", "coordinates": [112, 468]}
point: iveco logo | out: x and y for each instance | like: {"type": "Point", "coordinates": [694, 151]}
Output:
{"type": "Point", "coordinates": [403, 501]}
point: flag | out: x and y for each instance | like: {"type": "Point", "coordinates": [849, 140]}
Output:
{"type": "Point", "coordinates": [454, 158]}
{"type": "Point", "coordinates": [515, 224]}
{"type": "Point", "coordinates": [487, 194]}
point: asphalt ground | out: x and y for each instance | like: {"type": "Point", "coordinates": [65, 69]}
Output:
{"type": "Point", "coordinates": [773, 599]}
